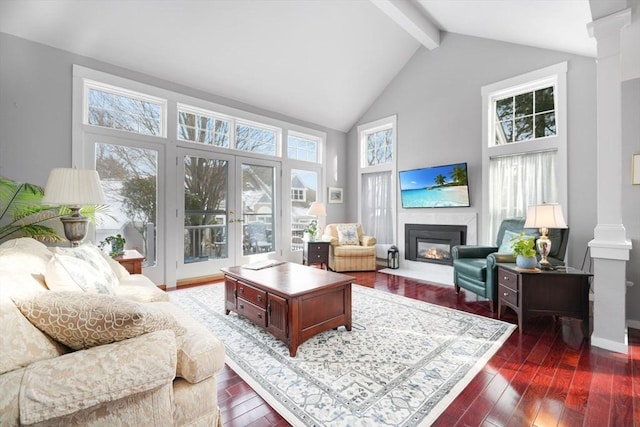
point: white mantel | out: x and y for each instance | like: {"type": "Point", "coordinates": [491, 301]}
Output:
{"type": "Point", "coordinates": [434, 273]}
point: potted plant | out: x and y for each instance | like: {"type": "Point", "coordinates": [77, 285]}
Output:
{"type": "Point", "coordinates": [524, 250]}
{"type": "Point", "coordinates": [311, 230]}
{"type": "Point", "coordinates": [117, 244]}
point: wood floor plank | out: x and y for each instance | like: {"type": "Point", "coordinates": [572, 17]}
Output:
{"type": "Point", "coordinates": [543, 377]}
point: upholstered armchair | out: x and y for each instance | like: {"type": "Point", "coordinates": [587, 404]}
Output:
{"type": "Point", "coordinates": [351, 249]}
{"type": "Point", "coordinates": [475, 267]}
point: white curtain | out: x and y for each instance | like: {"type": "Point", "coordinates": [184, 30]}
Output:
{"type": "Point", "coordinates": [515, 182]}
{"type": "Point", "coordinates": [377, 219]}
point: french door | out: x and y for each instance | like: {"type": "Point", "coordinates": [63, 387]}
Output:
{"type": "Point", "coordinates": [226, 211]}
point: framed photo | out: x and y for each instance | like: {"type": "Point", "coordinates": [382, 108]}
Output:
{"type": "Point", "coordinates": [635, 171]}
{"type": "Point", "coordinates": [335, 195]}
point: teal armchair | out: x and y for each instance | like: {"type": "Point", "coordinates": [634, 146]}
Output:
{"type": "Point", "coordinates": [475, 267]}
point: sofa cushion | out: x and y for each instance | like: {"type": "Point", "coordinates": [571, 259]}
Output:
{"type": "Point", "coordinates": [21, 343]}
{"type": "Point", "coordinates": [200, 353]}
{"type": "Point", "coordinates": [82, 380]}
{"type": "Point", "coordinates": [138, 287]}
{"type": "Point", "coordinates": [80, 320]}
{"type": "Point", "coordinates": [348, 234]}
{"type": "Point", "coordinates": [354, 251]}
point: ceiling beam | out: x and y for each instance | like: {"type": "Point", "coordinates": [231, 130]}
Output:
{"type": "Point", "coordinates": [407, 15]}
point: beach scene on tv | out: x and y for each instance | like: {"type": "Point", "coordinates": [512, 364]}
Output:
{"type": "Point", "coordinates": [433, 187]}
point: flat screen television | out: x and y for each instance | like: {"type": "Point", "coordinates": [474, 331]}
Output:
{"type": "Point", "coordinates": [435, 187]}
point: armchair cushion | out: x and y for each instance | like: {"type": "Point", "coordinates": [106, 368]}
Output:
{"type": "Point", "coordinates": [475, 268]}
{"type": "Point", "coordinates": [80, 320]}
{"type": "Point", "coordinates": [348, 234]}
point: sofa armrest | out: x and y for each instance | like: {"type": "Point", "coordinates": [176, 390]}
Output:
{"type": "Point", "coordinates": [469, 251]}
{"type": "Point", "coordinates": [368, 241]}
{"type": "Point", "coordinates": [329, 238]}
{"type": "Point", "coordinates": [83, 379]}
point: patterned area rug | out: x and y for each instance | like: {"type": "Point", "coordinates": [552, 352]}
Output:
{"type": "Point", "coordinates": [401, 365]}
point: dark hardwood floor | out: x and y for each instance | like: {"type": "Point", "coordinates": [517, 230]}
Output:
{"type": "Point", "coordinates": [547, 376]}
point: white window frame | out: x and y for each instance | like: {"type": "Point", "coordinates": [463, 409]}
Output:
{"type": "Point", "coordinates": [301, 135]}
{"type": "Point", "coordinates": [555, 75]}
{"type": "Point", "coordinates": [390, 122]}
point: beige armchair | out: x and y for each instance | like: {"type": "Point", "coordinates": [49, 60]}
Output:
{"type": "Point", "coordinates": [351, 249]}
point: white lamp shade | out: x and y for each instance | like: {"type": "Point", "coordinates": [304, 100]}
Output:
{"type": "Point", "coordinates": [548, 215]}
{"type": "Point", "coordinates": [317, 209]}
{"type": "Point", "coordinates": [73, 187]}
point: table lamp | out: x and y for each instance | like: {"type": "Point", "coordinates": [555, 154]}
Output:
{"type": "Point", "coordinates": [317, 209]}
{"type": "Point", "coordinates": [73, 188]}
{"type": "Point", "coordinates": [544, 217]}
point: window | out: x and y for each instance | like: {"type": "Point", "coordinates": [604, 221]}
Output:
{"type": "Point", "coordinates": [525, 116]}
{"type": "Point", "coordinates": [115, 108]}
{"type": "Point", "coordinates": [298, 194]}
{"type": "Point", "coordinates": [202, 127]}
{"type": "Point", "coordinates": [376, 179]}
{"type": "Point", "coordinates": [524, 146]}
{"type": "Point", "coordinates": [257, 139]}
{"type": "Point", "coordinates": [301, 147]}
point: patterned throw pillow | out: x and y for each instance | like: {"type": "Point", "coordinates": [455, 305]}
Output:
{"type": "Point", "coordinates": [81, 321]}
{"type": "Point", "coordinates": [348, 234]}
{"type": "Point", "coordinates": [94, 257]}
{"type": "Point", "coordinates": [68, 273]}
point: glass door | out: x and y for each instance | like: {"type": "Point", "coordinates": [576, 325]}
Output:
{"type": "Point", "coordinates": [256, 219]}
{"type": "Point", "coordinates": [206, 218]}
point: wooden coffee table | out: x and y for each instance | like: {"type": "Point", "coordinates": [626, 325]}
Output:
{"type": "Point", "coordinates": [291, 301]}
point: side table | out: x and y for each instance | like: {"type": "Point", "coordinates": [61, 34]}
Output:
{"type": "Point", "coordinates": [316, 253]}
{"type": "Point", "coordinates": [131, 260]}
{"type": "Point", "coordinates": [562, 292]}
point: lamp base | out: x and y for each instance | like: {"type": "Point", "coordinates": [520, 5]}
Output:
{"type": "Point", "coordinates": [75, 228]}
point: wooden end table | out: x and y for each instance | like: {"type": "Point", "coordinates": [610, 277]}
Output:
{"type": "Point", "coordinates": [131, 260]}
{"type": "Point", "coordinates": [544, 293]}
{"type": "Point", "coordinates": [316, 253]}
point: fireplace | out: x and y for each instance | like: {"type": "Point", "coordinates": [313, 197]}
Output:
{"type": "Point", "coordinates": [432, 242]}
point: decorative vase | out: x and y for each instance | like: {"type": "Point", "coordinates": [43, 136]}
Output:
{"type": "Point", "coordinates": [526, 262]}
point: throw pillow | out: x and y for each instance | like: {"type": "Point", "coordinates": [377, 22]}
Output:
{"type": "Point", "coordinates": [348, 234]}
{"type": "Point", "coordinates": [68, 273]}
{"type": "Point", "coordinates": [81, 321]}
{"type": "Point", "coordinates": [506, 247]}
{"type": "Point", "coordinates": [94, 257]}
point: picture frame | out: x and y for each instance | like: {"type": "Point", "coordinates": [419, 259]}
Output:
{"type": "Point", "coordinates": [335, 195]}
{"type": "Point", "coordinates": [635, 169]}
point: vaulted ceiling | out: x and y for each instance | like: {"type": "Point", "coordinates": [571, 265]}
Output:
{"type": "Point", "coordinates": [321, 61]}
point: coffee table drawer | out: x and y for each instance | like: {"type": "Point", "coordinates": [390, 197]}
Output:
{"type": "Point", "coordinates": [252, 295]}
{"type": "Point", "coordinates": [252, 312]}
{"type": "Point", "coordinates": [508, 279]}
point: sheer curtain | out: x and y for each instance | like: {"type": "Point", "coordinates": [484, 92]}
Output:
{"type": "Point", "coordinates": [515, 182]}
{"type": "Point", "coordinates": [377, 218]}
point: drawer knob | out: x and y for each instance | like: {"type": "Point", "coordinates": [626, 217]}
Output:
{"type": "Point", "coordinates": [505, 278]}
{"type": "Point", "coordinates": [259, 297]}
{"type": "Point", "coordinates": [259, 316]}
{"type": "Point", "coordinates": [241, 290]}
{"type": "Point", "coordinates": [506, 294]}
{"type": "Point", "coordinates": [242, 306]}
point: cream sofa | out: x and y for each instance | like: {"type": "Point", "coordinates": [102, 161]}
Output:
{"type": "Point", "coordinates": [351, 249]}
{"type": "Point", "coordinates": [129, 358]}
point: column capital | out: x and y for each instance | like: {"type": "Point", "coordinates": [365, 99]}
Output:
{"type": "Point", "coordinates": [606, 31]}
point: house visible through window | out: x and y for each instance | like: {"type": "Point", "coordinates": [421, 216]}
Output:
{"type": "Point", "coordinates": [298, 194]}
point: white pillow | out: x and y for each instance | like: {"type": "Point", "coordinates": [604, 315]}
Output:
{"type": "Point", "coordinates": [92, 255]}
{"type": "Point", "coordinates": [506, 247]}
{"type": "Point", "coordinates": [68, 273]}
{"type": "Point", "coordinates": [348, 234]}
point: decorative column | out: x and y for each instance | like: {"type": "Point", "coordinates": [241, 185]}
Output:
{"type": "Point", "coordinates": [610, 246]}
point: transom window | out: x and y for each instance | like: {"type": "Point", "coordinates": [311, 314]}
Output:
{"type": "Point", "coordinates": [525, 116]}
{"type": "Point", "coordinates": [379, 147]}
{"type": "Point", "coordinates": [202, 127]}
{"type": "Point", "coordinates": [116, 108]}
{"type": "Point", "coordinates": [257, 139]}
{"type": "Point", "coordinates": [302, 148]}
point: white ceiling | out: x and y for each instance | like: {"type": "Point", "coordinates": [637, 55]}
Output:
{"type": "Point", "coordinates": [322, 61]}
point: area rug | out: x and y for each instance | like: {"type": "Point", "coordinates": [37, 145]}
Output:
{"type": "Point", "coordinates": [402, 363]}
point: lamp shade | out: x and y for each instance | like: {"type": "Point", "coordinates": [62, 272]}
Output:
{"type": "Point", "coordinates": [547, 215]}
{"type": "Point", "coordinates": [73, 187]}
{"type": "Point", "coordinates": [317, 209]}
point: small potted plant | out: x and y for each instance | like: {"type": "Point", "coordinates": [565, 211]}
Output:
{"type": "Point", "coordinates": [117, 244]}
{"type": "Point", "coordinates": [311, 230]}
{"type": "Point", "coordinates": [524, 250]}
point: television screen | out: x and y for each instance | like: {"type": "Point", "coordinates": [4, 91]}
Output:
{"type": "Point", "coordinates": [435, 187]}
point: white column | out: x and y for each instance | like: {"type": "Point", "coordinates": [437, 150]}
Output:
{"type": "Point", "coordinates": [610, 246]}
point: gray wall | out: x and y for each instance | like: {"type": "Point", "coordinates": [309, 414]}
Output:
{"type": "Point", "coordinates": [631, 193]}
{"type": "Point", "coordinates": [35, 113]}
